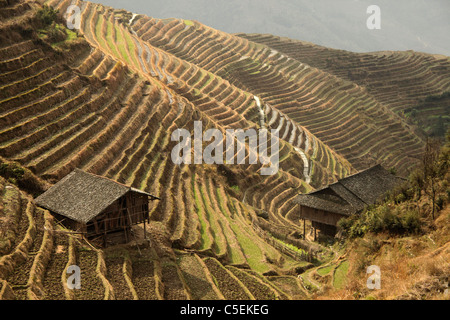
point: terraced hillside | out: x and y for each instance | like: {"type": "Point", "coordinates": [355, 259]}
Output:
{"type": "Point", "coordinates": [36, 253]}
{"type": "Point", "coordinates": [106, 99]}
{"type": "Point", "coordinates": [399, 80]}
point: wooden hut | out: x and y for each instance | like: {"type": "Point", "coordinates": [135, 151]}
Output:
{"type": "Point", "coordinates": [94, 205]}
{"type": "Point", "coordinates": [348, 196]}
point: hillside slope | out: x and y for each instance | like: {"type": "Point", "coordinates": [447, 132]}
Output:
{"type": "Point", "coordinates": [106, 99]}
{"type": "Point", "coordinates": [419, 26]}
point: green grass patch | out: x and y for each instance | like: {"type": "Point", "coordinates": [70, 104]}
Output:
{"type": "Point", "coordinates": [121, 42]}
{"type": "Point", "coordinates": [220, 203]}
{"type": "Point", "coordinates": [98, 32]}
{"type": "Point", "coordinates": [340, 275]}
{"type": "Point", "coordinates": [211, 77]}
{"type": "Point", "coordinates": [251, 250]}
{"type": "Point", "coordinates": [325, 270]}
{"type": "Point", "coordinates": [71, 35]}
{"type": "Point", "coordinates": [234, 257]}
{"type": "Point", "coordinates": [110, 38]}
{"type": "Point", "coordinates": [205, 239]}
{"type": "Point", "coordinates": [131, 48]}
{"type": "Point", "coordinates": [253, 253]}
{"type": "Point", "coordinates": [57, 34]}
{"type": "Point", "coordinates": [220, 246]}
{"type": "Point", "coordinates": [290, 246]}
{"type": "Point", "coordinates": [306, 283]}
{"type": "Point", "coordinates": [235, 188]}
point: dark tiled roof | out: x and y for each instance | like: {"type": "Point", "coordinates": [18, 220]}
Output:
{"type": "Point", "coordinates": [371, 184]}
{"type": "Point", "coordinates": [351, 194]}
{"type": "Point", "coordinates": [316, 202]}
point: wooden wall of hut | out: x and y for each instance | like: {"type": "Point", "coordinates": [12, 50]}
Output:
{"type": "Point", "coordinates": [325, 228]}
{"type": "Point", "coordinates": [131, 209]}
{"type": "Point", "coordinates": [320, 216]}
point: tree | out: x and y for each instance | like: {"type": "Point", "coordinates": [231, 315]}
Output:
{"type": "Point", "coordinates": [416, 181]}
{"type": "Point", "coordinates": [432, 170]}
{"type": "Point", "coordinates": [439, 128]}
{"type": "Point", "coordinates": [47, 15]}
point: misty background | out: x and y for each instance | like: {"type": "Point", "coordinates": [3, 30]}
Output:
{"type": "Point", "coordinates": [420, 25]}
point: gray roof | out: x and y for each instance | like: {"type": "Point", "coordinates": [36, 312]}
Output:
{"type": "Point", "coordinates": [317, 202]}
{"type": "Point", "coordinates": [81, 196]}
{"type": "Point", "coordinates": [371, 184]}
{"type": "Point", "coordinates": [351, 194]}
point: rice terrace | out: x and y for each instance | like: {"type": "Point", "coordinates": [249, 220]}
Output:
{"type": "Point", "coordinates": [110, 191]}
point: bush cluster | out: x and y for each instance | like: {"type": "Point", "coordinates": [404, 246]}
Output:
{"type": "Point", "coordinates": [400, 213]}
{"type": "Point", "coordinates": [14, 173]}
{"type": "Point", "coordinates": [11, 172]}
{"type": "Point", "coordinates": [383, 218]}
{"type": "Point", "coordinates": [47, 15]}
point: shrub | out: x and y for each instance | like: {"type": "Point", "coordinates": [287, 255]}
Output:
{"type": "Point", "coordinates": [22, 177]}
{"type": "Point", "coordinates": [411, 221]}
{"type": "Point", "coordinates": [362, 263]}
{"type": "Point", "coordinates": [11, 171]}
{"type": "Point", "coordinates": [384, 218]}
{"type": "Point", "coordinates": [372, 245]}
{"type": "Point", "coordinates": [440, 202]}
{"type": "Point", "coordinates": [47, 15]}
{"type": "Point", "coordinates": [56, 33]}
{"type": "Point", "coordinates": [395, 214]}
{"type": "Point", "coordinates": [345, 223]}
{"type": "Point", "coordinates": [400, 198]}
{"type": "Point", "coordinates": [403, 192]}
{"type": "Point", "coordinates": [389, 221]}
